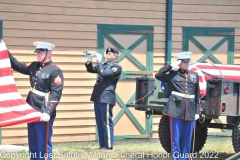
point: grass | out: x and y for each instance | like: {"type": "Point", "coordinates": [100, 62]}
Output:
{"type": "Point", "coordinates": [213, 149]}
{"type": "Point", "coordinates": [216, 148]}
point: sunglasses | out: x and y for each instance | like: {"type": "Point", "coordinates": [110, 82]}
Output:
{"type": "Point", "coordinates": [40, 50]}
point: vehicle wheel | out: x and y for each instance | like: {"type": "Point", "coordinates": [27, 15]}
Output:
{"type": "Point", "coordinates": [236, 136]}
{"type": "Point", "coordinates": [164, 134]}
{"type": "Point", "coordinates": [200, 135]}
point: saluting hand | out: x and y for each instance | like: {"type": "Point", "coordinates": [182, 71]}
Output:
{"type": "Point", "coordinates": [174, 64]}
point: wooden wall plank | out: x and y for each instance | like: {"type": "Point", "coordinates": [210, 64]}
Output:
{"type": "Point", "coordinates": [67, 90]}
{"type": "Point", "coordinates": [27, 42]}
{"type": "Point", "coordinates": [203, 8]}
{"type": "Point", "coordinates": [61, 122]}
{"type": "Point", "coordinates": [75, 122]}
{"type": "Point", "coordinates": [205, 23]}
{"type": "Point", "coordinates": [83, 106]}
{"type": "Point", "coordinates": [89, 137]}
{"type": "Point", "coordinates": [24, 33]}
{"type": "Point", "coordinates": [205, 16]}
{"type": "Point", "coordinates": [77, 19]}
{"type": "Point", "coordinates": [94, 4]}
{"type": "Point", "coordinates": [79, 12]}
{"type": "Point", "coordinates": [71, 114]}
{"type": "Point", "coordinates": [31, 25]}
{"type": "Point", "coordinates": [208, 2]}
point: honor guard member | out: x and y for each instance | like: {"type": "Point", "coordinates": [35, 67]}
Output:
{"type": "Point", "coordinates": [183, 107]}
{"type": "Point", "coordinates": [46, 81]}
{"type": "Point", "coordinates": [103, 95]}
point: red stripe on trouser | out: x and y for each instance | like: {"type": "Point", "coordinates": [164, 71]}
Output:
{"type": "Point", "coordinates": [170, 121]}
{"type": "Point", "coordinates": [46, 138]}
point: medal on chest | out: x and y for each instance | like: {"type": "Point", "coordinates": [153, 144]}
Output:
{"type": "Point", "coordinates": [193, 77]}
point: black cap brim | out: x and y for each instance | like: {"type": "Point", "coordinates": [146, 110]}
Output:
{"type": "Point", "coordinates": [40, 50]}
{"type": "Point", "coordinates": [185, 60]}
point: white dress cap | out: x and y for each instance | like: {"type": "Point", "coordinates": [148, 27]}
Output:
{"type": "Point", "coordinates": [43, 45]}
{"type": "Point", "coordinates": [183, 55]}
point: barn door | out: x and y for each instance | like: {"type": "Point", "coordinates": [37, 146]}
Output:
{"type": "Point", "coordinates": [135, 44]}
{"type": "Point", "coordinates": [214, 45]}
{"type": "Point", "coordinates": [211, 45]}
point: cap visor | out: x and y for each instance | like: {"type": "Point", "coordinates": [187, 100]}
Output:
{"type": "Point", "coordinates": [185, 60]}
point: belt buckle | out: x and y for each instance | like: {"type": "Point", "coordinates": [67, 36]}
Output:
{"type": "Point", "coordinates": [187, 96]}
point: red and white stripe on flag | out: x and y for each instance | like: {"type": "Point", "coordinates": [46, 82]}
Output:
{"type": "Point", "coordinates": [228, 72]}
{"type": "Point", "coordinates": [13, 108]}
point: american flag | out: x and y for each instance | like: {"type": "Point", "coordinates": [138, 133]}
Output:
{"type": "Point", "coordinates": [228, 72]}
{"type": "Point", "coordinates": [13, 108]}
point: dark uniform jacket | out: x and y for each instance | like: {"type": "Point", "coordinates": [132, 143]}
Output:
{"type": "Point", "coordinates": [107, 78]}
{"type": "Point", "coordinates": [185, 82]}
{"type": "Point", "coordinates": [47, 78]}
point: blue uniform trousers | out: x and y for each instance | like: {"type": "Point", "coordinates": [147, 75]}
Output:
{"type": "Point", "coordinates": [181, 137]}
{"type": "Point", "coordinates": [105, 126]}
{"type": "Point", "coordinates": [39, 140]}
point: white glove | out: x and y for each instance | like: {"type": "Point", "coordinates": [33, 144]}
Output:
{"type": "Point", "coordinates": [89, 57]}
{"type": "Point", "coordinates": [196, 116]}
{"type": "Point", "coordinates": [174, 64]}
{"type": "Point", "coordinates": [45, 117]}
{"type": "Point", "coordinates": [99, 57]}
{"type": "Point", "coordinates": [86, 52]}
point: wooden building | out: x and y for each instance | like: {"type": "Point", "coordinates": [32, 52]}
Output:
{"type": "Point", "coordinates": [147, 33]}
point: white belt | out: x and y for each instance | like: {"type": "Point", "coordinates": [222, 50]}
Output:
{"type": "Point", "coordinates": [33, 90]}
{"type": "Point", "coordinates": [183, 95]}
{"type": "Point", "coordinates": [46, 95]}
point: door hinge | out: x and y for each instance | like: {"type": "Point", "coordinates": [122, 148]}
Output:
{"type": "Point", "coordinates": [221, 33]}
{"type": "Point", "coordinates": [140, 31]}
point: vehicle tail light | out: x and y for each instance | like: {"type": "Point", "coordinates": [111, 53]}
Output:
{"type": "Point", "coordinates": [214, 103]}
{"type": "Point", "coordinates": [223, 107]}
{"type": "Point", "coordinates": [226, 89]}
